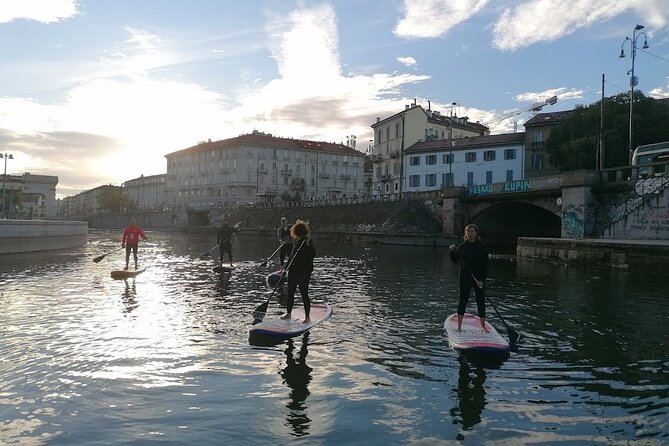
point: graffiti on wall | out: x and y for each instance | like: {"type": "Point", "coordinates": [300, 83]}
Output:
{"type": "Point", "coordinates": [573, 218]}
{"type": "Point", "coordinates": [650, 218]}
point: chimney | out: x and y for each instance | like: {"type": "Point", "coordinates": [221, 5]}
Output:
{"type": "Point", "coordinates": [378, 119]}
{"type": "Point", "coordinates": [429, 105]}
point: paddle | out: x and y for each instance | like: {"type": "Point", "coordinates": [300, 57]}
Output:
{"type": "Point", "coordinates": [273, 254]}
{"type": "Point", "coordinates": [259, 312]}
{"type": "Point", "coordinates": [99, 258]}
{"type": "Point", "coordinates": [206, 254]}
{"type": "Point", "coordinates": [514, 336]}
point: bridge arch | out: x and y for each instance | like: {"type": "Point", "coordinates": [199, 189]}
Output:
{"type": "Point", "coordinates": [502, 223]}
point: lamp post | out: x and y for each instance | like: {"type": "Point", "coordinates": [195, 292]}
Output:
{"type": "Point", "coordinates": [6, 156]}
{"type": "Point", "coordinates": [450, 142]}
{"type": "Point", "coordinates": [633, 79]}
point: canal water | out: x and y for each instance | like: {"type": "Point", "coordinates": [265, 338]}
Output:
{"type": "Point", "coordinates": [165, 358]}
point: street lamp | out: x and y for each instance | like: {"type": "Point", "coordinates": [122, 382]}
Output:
{"type": "Point", "coordinates": [633, 79]}
{"type": "Point", "coordinates": [6, 156]}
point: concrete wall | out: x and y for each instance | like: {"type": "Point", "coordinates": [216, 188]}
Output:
{"type": "Point", "coordinates": [594, 252]}
{"type": "Point", "coordinates": [37, 235]}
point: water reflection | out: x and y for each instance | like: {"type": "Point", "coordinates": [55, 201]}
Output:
{"type": "Point", "coordinates": [129, 294]}
{"type": "Point", "coordinates": [470, 394]}
{"type": "Point", "coordinates": [297, 376]}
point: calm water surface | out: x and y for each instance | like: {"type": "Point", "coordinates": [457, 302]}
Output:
{"type": "Point", "coordinates": [165, 358]}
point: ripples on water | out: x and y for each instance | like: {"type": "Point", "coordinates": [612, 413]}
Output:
{"type": "Point", "coordinates": [165, 357]}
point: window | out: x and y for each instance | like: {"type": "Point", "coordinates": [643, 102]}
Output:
{"type": "Point", "coordinates": [488, 177]}
{"type": "Point", "coordinates": [537, 161]}
{"type": "Point", "coordinates": [431, 159]}
{"type": "Point", "coordinates": [414, 161]}
{"type": "Point", "coordinates": [447, 179]}
{"type": "Point", "coordinates": [447, 158]}
{"type": "Point", "coordinates": [431, 180]}
{"type": "Point", "coordinates": [414, 180]}
{"type": "Point", "coordinates": [470, 157]}
{"type": "Point", "coordinates": [470, 178]}
{"type": "Point", "coordinates": [509, 154]}
{"type": "Point", "coordinates": [489, 155]}
{"type": "Point", "coordinates": [397, 130]}
{"type": "Point", "coordinates": [509, 175]}
{"type": "Point", "coordinates": [539, 137]}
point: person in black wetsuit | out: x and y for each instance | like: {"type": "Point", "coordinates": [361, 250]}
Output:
{"type": "Point", "coordinates": [283, 235]}
{"type": "Point", "coordinates": [473, 256]}
{"type": "Point", "coordinates": [224, 240]}
{"type": "Point", "coordinates": [300, 267]}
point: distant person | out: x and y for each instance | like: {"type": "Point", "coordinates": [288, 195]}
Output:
{"type": "Point", "coordinates": [130, 241]}
{"type": "Point", "coordinates": [473, 256]}
{"type": "Point", "coordinates": [283, 235]}
{"type": "Point", "coordinates": [224, 240]}
{"type": "Point", "coordinates": [300, 267]}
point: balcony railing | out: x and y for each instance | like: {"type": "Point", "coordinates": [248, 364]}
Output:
{"type": "Point", "coordinates": [395, 154]}
{"type": "Point", "coordinates": [287, 172]}
{"type": "Point", "coordinates": [345, 177]}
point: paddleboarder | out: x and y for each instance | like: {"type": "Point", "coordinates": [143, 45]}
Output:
{"type": "Point", "coordinates": [473, 256]}
{"type": "Point", "coordinates": [224, 240]}
{"type": "Point", "coordinates": [301, 265]}
{"type": "Point", "coordinates": [130, 241]}
{"type": "Point", "coordinates": [283, 235]}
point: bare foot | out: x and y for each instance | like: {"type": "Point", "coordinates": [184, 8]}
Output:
{"type": "Point", "coordinates": [459, 329]}
{"type": "Point", "coordinates": [306, 320]}
{"type": "Point", "coordinates": [286, 316]}
{"type": "Point", "coordinates": [485, 329]}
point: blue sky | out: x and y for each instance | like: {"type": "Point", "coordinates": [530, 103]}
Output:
{"type": "Point", "coordinates": [98, 91]}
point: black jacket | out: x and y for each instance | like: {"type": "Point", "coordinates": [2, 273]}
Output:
{"type": "Point", "coordinates": [302, 258]}
{"type": "Point", "coordinates": [474, 256]}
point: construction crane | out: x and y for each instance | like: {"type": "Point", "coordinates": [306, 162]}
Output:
{"type": "Point", "coordinates": [536, 107]}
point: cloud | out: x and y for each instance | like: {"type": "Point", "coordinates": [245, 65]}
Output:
{"type": "Point", "coordinates": [408, 61]}
{"type": "Point", "coordinates": [541, 96]}
{"type": "Point", "coordinates": [434, 18]}
{"type": "Point", "coordinates": [45, 11]}
{"type": "Point", "coordinates": [548, 20]}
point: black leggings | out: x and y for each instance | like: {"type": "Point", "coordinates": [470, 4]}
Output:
{"type": "Point", "coordinates": [466, 285]}
{"type": "Point", "coordinates": [129, 248]}
{"type": "Point", "coordinates": [302, 281]}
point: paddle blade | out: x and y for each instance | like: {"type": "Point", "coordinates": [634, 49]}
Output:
{"type": "Point", "coordinates": [98, 258]}
{"type": "Point", "coordinates": [514, 336]}
{"type": "Point", "coordinates": [259, 312]}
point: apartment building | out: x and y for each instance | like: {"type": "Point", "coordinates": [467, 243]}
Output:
{"type": "Point", "coordinates": [147, 192]}
{"type": "Point", "coordinates": [537, 130]}
{"type": "Point", "coordinates": [29, 196]}
{"type": "Point", "coordinates": [414, 124]}
{"type": "Point", "coordinates": [470, 161]}
{"type": "Point", "coordinates": [259, 167]}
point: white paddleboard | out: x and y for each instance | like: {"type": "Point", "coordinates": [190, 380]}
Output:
{"type": "Point", "coordinates": [274, 326]}
{"type": "Point", "coordinates": [472, 338]}
{"type": "Point", "coordinates": [273, 278]}
{"type": "Point", "coordinates": [223, 268]}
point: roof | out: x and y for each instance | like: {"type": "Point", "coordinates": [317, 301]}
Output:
{"type": "Point", "coordinates": [548, 118]}
{"type": "Point", "coordinates": [267, 140]}
{"type": "Point", "coordinates": [471, 142]}
{"type": "Point", "coordinates": [435, 116]}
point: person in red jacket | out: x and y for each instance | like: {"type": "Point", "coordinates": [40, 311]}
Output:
{"type": "Point", "coordinates": [131, 236]}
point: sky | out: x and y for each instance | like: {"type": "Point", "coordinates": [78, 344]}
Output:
{"type": "Point", "coordinates": [99, 91]}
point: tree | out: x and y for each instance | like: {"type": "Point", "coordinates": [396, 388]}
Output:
{"type": "Point", "coordinates": [113, 199]}
{"type": "Point", "coordinates": [573, 143]}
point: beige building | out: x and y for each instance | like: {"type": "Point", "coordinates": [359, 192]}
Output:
{"type": "Point", "coordinates": [147, 192]}
{"type": "Point", "coordinates": [537, 131]}
{"type": "Point", "coordinates": [88, 202]}
{"type": "Point", "coordinates": [259, 167]}
{"type": "Point", "coordinates": [30, 196]}
{"type": "Point", "coordinates": [398, 132]}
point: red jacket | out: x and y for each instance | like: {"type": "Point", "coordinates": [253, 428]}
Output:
{"type": "Point", "coordinates": [132, 234]}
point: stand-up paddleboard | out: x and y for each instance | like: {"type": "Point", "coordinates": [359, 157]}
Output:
{"type": "Point", "coordinates": [274, 278]}
{"type": "Point", "coordinates": [472, 338]}
{"type": "Point", "coordinates": [275, 327]}
{"type": "Point", "coordinates": [125, 274]}
{"type": "Point", "coordinates": [223, 268]}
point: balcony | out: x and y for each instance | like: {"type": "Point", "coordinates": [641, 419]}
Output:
{"type": "Point", "coordinates": [395, 154]}
{"type": "Point", "coordinates": [345, 177]}
{"type": "Point", "coordinates": [287, 172]}
{"type": "Point", "coordinates": [324, 175]}
{"type": "Point", "coordinates": [298, 184]}
{"type": "Point", "coordinates": [376, 158]}
{"type": "Point", "coordinates": [262, 170]}
{"type": "Point", "coordinates": [385, 177]}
